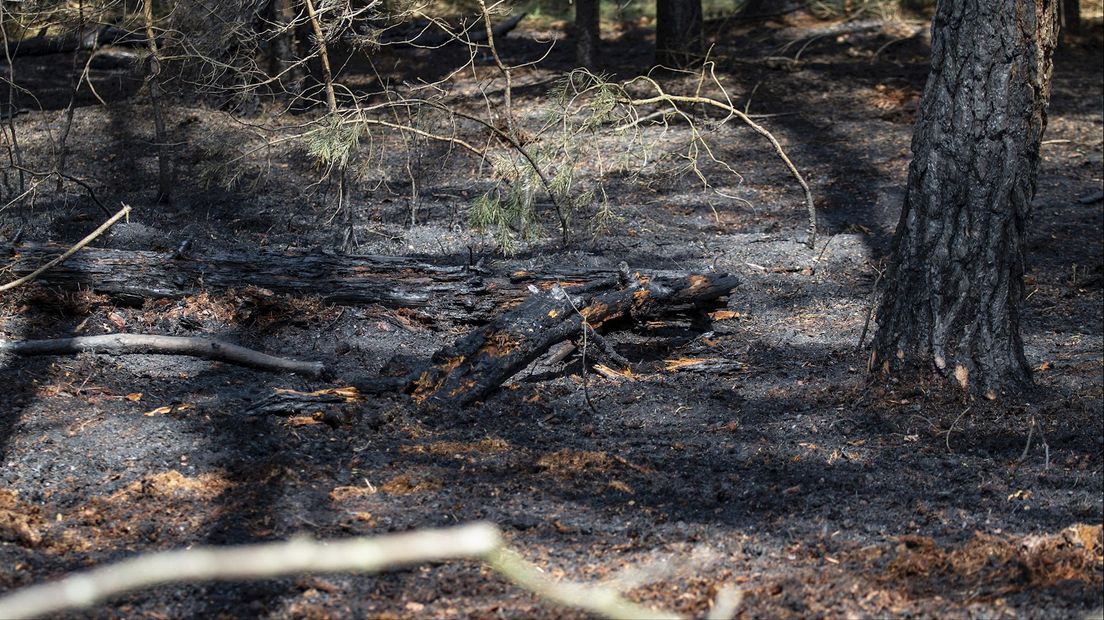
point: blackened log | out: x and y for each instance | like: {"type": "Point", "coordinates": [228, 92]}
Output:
{"type": "Point", "coordinates": [450, 292]}
{"type": "Point", "coordinates": [134, 276]}
{"type": "Point", "coordinates": [483, 360]}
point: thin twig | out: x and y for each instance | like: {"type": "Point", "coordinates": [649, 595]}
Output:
{"type": "Point", "coordinates": [664, 97]}
{"type": "Point", "coordinates": [870, 310]}
{"type": "Point", "coordinates": [1027, 446]}
{"type": "Point", "coordinates": [67, 177]}
{"type": "Point", "coordinates": [507, 98]}
{"type": "Point", "coordinates": [596, 600]}
{"type": "Point", "coordinates": [164, 174]}
{"type": "Point", "coordinates": [585, 326]}
{"type": "Point", "coordinates": [947, 437]}
{"type": "Point", "coordinates": [71, 251]}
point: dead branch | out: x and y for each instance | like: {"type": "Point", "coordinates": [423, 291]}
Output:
{"type": "Point", "coordinates": [123, 344]}
{"type": "Point", "coordinates": [662, 97]}
{"type": "Point", "coordinates": [73, 250]}
{"type": "Point", "coordinates": [421, 35]}
{"type": "Point", "coordinates": [597, 600]}
{"type": "Point", "coordinates": [481, 541]}
{"type": "Point", "coordinates": [257, 561]}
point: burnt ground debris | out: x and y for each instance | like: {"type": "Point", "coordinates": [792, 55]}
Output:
{"type": "Point", "coordinates": [793, 475]}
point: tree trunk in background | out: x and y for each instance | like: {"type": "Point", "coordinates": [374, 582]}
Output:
{"type": "Point", "coordinates": [954, 288]}
{"type": "Point", "coordinates": [282, 51]}
{"type": "Point", "coordinates": [586, 32]}
{"type": "Point", "coordinates": [1071, 16]}
{"type": "Point", "coordinates": [678, 32]}
{"type": "Point", "coordinates": [755, 8]}
{"type": "Point", "coordinates": [164, 172]}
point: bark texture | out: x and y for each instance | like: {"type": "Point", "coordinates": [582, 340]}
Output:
{"type": "Point", "coordinates": [954, 289]}
{"type": "Point", "coordinates": [678, 32]}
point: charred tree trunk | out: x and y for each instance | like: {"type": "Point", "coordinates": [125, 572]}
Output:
{"type": "Point", "coordinates": [954, 289]}
{"type": "Point", "coordinates": [281, 55]}
{"type": "Point", "coordinates": [164, 173]}
{"type": "Point", "coordinates": [755, 8]}
{"type": "Point", "coordinates": [678, 32]}
{"type": "Point", "coordinates": [587, 32]}
{"type": "Point", "coordinates": [1071, 17]}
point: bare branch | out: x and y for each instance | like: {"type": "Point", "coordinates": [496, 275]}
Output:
{"type": "Point", "coordinates": [71, 251]}
{"type": "Point", "coordinates": [167, 345]}
{"type": "Point", "coordinates": [477, 541]}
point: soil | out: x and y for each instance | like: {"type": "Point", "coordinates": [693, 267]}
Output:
{"type": "Point", "coordinates": [817, 489]}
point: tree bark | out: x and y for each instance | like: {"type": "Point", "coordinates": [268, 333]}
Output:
{"type": "Point", "coordinates": [953, 292]}
{"type": "Point", "coordinates": [281, 56]}
{"type": "Point", "coordinates": [134, 277]}
{"type": "Point", "coordinates": [587, 32]}
{"type": "Point", "coordinates": [678, 32]}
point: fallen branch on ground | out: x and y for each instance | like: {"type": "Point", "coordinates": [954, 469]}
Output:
{"type": "Point", "coordinates": [482, 361]}
{"type": "Point", "coordinates": [481, 541]}
{"type": "Point", "coordinates": [208, 348]}
{"type": "Point", "coordinates": [469, 370]}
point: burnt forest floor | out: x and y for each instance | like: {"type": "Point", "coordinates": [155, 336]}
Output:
{"type": "Point", "coordinates": [817, 490]}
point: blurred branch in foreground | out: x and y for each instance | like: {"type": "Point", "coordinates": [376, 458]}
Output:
{"type": "Point", "coordinates": [476, 541]}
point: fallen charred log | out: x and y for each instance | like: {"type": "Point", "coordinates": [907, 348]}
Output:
{"type": "Point", "coordinates": [463, 293]}
{"type": "Point", "coordinates": [544, 311]}
{"type": "Point", "coordinates": [482, 361]}
{"type": "Point", "coordinates": [132, 277]}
